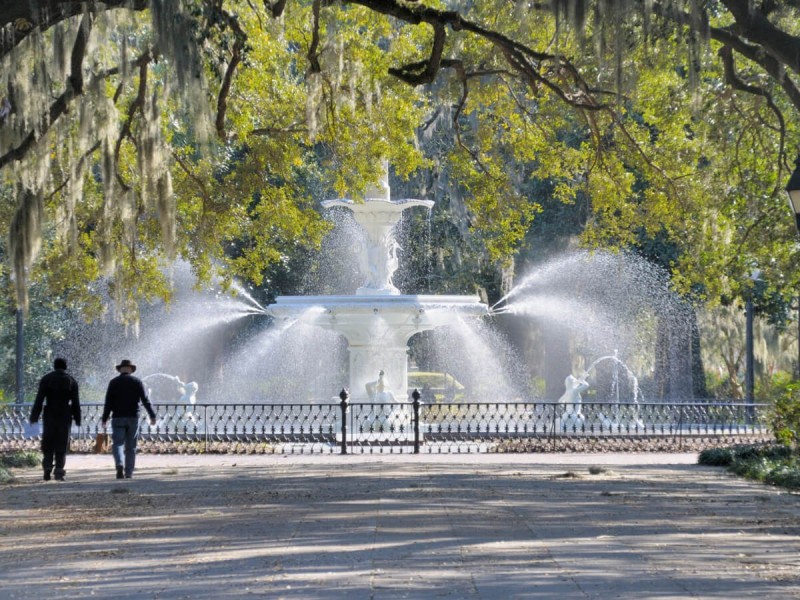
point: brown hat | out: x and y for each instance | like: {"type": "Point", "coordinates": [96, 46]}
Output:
{"type": "Point", "coordinates": [126, 363]}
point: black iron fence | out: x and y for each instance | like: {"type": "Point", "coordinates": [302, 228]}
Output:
{"type": "Point", "coordinates": [362, 427]}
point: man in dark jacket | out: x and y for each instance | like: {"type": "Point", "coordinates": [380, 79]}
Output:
{"type": "Point", "coordinates": [58, 394]}
{"type": "Point", "coordinates": [123, 396]}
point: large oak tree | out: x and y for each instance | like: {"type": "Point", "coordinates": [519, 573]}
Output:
{"type": "Point", "coordinates": [677, 119]}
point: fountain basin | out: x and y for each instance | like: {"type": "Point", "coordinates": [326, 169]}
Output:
{"type": "Point", "coordinates": [378, 328]}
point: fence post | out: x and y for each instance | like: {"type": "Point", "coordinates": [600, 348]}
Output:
{"type": "Point", "coordinates": [415, 395]}
{"type": "Point", "coordinates": [555, 419]}
{"type": "Point", "coordinates": [680, 426]}
{"type": "Point", "coordinates": [344, 395]}
{"type": "Point", "coordinates": [205, 428]}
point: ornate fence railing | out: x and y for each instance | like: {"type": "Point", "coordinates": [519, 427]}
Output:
{"type": "Point", "coordinates": [355, 427]}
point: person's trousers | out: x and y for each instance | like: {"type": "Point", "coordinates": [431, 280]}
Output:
{"type": "Point", "coordinates": [55, 441]}
{"type": "Point", "coordinates": [124, 434]}
{"type": "Point", "coordinates": [60, 460]}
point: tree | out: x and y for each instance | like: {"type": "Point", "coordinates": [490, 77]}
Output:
{"type": "Point", "coordinates": [659, 133]}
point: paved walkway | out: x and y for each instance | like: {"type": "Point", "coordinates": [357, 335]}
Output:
{"type": "Point", "coordinates": [386, 527]}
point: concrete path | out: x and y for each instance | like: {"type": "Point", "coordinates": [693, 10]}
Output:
{"type": "Point", "coordinates": [385, 527]}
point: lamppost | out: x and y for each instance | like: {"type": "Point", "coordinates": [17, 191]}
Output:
{"type": "Point", "coordinates": [20, 362]}
{"type": "Point", "coordinates": [749, 367]}
{"type": "Point", "coordinates": [793, 192]}
{"type": "Point", "coordinates": [749, 362]}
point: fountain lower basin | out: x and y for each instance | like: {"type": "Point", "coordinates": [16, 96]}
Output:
{"type": "Point", "coordinates": [377, 328]}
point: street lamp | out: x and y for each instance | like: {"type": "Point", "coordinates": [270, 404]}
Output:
{"type": "Point", "coordinates": [793, 191]}
{"type": "Point", "coordinates": [749, 359]}
{"type": "Point", "coordinates": [749, 370]}
{"type": "Point", "coordinates": [20, 366]}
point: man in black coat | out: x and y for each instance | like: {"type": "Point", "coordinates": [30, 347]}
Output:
{"type": "Point", "coordinates": [58, 394]}
{"type": "Point", "coordinates": [123, 396]}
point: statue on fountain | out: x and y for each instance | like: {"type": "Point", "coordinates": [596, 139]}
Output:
{"type": "Point", "coordinates": [377, 392]}
{"type": "Point", "coordinates": [164, 388]}
{"type": "Point", "coordinates": [386, 414]}
{"type": "Point", "coordinates": [570, 412]}
{"type": "Point", "coordinates": [169, 389]}
{"type": "Point", "coordinates": [378, 260]}
{"type": "Point", "coordinates": [571, 401]}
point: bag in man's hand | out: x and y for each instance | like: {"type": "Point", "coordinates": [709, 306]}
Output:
{"type": "Point", "coordinates": [101, 443]}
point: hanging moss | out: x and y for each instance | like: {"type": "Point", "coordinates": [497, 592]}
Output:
{"type": "Point", "coordinates": [25, 240]}
{"type": "Point", "coordinates": [167, 211]}
{"type": "Point", "coordinates": [37, 71]}
{"type": "Point", "coordinates": [175, 32]}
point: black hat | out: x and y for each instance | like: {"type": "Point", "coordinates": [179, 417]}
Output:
{"type": "Point", "coordinates": [126, 363]}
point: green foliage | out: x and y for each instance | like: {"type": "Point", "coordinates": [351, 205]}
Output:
{"type": "Point", "coordinates": [716, 457]}
{"type": "Point", "coordinates": [670, 161]}
{"type": "Point", "coordinates": [775, 465]}
{"type": "Point", "coordinates": [20, 460]}
{"type": "Point", "coordinates": [785, 415]}
{"type": "Point", "coordinates": [420, 379]}
{"type": "Point", "coordinates": [747, 453]}
{"type": "Point", "coordinates": [786, 476]}
{"type": "Point", "coordinates": [17, 460]}
{"type": "Point", "coordinates": [45, 326]}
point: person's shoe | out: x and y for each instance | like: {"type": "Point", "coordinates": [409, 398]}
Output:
{"type": "Point", "coordinates": [128, 475]}
{"type": "Point", "coordinates": [120, 474]}
{"type": "Point", "coordinates": [47, 475]}
{"type": "Point", "coordinates": [59, 476]}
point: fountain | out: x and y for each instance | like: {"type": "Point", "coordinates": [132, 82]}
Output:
{"type": "Point", "coordinates": [304, 349]}
{"type": "Point", "coordinates": [377, 321]}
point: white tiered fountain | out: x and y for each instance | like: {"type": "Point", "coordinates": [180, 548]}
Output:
{"type": "Point", "coordinates": [378, 320]}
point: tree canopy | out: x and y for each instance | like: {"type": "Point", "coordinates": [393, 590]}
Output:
{"type": "Point", "coordinates": [132, 132]}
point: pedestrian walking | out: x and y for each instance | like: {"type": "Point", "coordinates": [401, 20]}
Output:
{"type": "Point", "coordinates": [58, 396]}
{"type": "Point", "coordinates": [123, 396]}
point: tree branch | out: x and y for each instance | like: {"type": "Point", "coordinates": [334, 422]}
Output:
{"type": "Point", "coordinates": [756, 54]}
{"type": "Point", "coordinates": [423, 72]}
{"type": "Point", "coordinates": [236, 58]}
{"type": "Point", "coordinates": [525, 60]}
{"type": "Point", "coordinates": [463, 78]}
{"type": "Point", "coordinates": [313, 52]}
{"type": "Point", "coordinates": [78, 168]}
{"type": "Point", "coordinates": [201, 185]}
{"type": "Point", "coordinates": [18, 18]}
{"type": "Point", "coordinates": [753, 25]}
{"type": "Point", "coordinates": [733, 79]}
{"type": "Point", "coordinates": [136, 106]}
{"type": "Point", "coordinates": [74, 88]}
{"type": "Point", "coordinates": [293, 128]}
{"type": "Point", "coordinates": [275, 8]}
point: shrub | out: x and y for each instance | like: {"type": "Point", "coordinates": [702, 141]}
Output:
{"type": "Point", "coordinates": [785, 414]}
{"type": "Point", "coordinates": [774, 465]}
{"type": "Point", "coordinates": [17, 460]}
{"type": "Point", "coordinates": [716, 457]}
{"type": "Point", "coordinates": [787, 476]}
{"type": "Point", "coordinates": [752, 468]}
